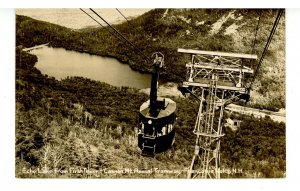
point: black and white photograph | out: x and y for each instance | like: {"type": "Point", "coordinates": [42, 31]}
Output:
{"type": "Point", "coordinates": [139, 93]}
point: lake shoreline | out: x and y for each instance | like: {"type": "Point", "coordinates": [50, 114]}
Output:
{"type": "Point", "coordinates": [153, 35]}
{"type": "Point", "coordinates": [103, 54]}
{"type": "Point", "coordinates": [60, 63]}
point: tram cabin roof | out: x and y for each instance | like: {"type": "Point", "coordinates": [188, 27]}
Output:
{"type": "Point", "coordinates": [169, 109]}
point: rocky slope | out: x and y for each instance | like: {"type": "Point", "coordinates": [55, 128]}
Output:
{"type": "Point", "coordinates": [166, 30]}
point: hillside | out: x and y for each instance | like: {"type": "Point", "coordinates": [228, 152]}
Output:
{"type": "Point", "coordinates": [64, 127]}
{"type": "Point", "coordinates": [166, 30]}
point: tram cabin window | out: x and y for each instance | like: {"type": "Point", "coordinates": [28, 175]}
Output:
{"type": "Point", "coordinates": [141, 130]}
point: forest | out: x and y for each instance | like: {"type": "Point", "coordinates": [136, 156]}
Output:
{"type": "Point", "coordinates": [80, 128]}
{"type": "Point", "coordinates": [166, 30]}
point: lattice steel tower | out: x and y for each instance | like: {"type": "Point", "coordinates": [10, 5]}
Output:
{"type": "Point", "coordinates": [216, 79]}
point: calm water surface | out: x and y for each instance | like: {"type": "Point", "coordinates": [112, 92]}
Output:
{"type": "Point", "coordinates": [60, 63]}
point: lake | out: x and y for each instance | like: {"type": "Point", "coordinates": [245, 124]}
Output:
{"type": "Point", "coordinates": [60, 63]}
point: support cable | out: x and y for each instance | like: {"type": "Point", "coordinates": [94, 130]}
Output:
{"type": "Point", "coordinates": [256, 31]}
{"type": "Point", "coordinates": [122, 15]}
{"type": "Point", "coordinates": [120, 34]}
{"type": "Point", "coordinates": [280, 11]}
{"type": "Point", "coordinates": [255, 37]}
{"type": "Point", "coordinates": [121, 39]}
{"type": "Point", "coordinates": [101, 24]}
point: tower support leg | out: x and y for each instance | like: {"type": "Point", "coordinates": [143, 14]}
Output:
{"type": "Point", "coordinates": [208, 129]}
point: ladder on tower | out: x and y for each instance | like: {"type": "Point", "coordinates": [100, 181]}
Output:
{"type": "Point", "coordinates": [215, 79]}
{"type": "Point", "coordinates": [208, 135]}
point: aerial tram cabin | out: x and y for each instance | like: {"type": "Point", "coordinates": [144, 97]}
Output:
{"type": "Point", "coordinates": [157, 117]}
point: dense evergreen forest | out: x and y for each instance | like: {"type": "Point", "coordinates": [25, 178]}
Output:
{"type": "Point", "coordinates": [63, 127]}
{"type": "Point", "coordinates": [166, 30]}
